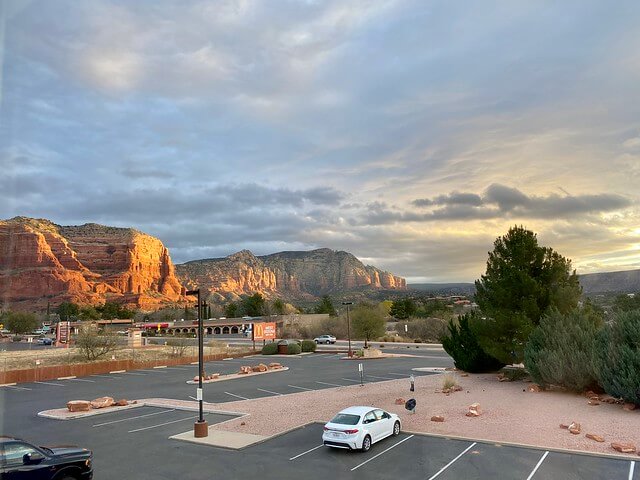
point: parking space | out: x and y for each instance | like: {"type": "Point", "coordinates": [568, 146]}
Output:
{"type": "Point", "coordinates": [425, 457]}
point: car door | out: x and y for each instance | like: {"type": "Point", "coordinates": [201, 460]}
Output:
{"type": "Point", "coordinates": [370, 423]}
{"type": "Point", "coordinates": [16, 469]}
{"type": "Point", "coordinates": [385, 424]}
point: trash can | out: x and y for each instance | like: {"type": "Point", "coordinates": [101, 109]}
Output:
{"type": "Point", "coordinates": [283, 348]}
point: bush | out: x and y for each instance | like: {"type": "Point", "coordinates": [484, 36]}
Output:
{"type": "Point", "coordinates": [617, 357]}
{"type": "Point", "coordinates": [560, 349]}
{"type": "Point", "coordinates": [448, 381]}
{"type": "Point", "coordinates": [514, 374]}
{"type": "Point", "coordinates": [308, 346]}
{"type": "Point", "coordinates": [463, 346]}
{"type": "Point", "coordinates": [425, 329]}
{"type": "Point", "coordinates": [93, 346]}
{"type": "Point", "coordinates": [293, 349]}
{"type": "Point", "coordinates": [270, 348]}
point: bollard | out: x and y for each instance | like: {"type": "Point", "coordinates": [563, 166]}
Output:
{"type": "Point", "coordinates": [412, 380]}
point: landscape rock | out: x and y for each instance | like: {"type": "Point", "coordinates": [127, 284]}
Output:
{"type": "Point", "coordinates": [464, 374]}
{"type": "Point", "coordinates": [629, 406]}
{"type": "Point", "coordinates": [593, 401]}
{"type": "Point", "coordinates": [245, 369]}
{"type": "Point", "coordinates": [474, 410]}
{"type": "Point", "coordinates": [624, 447]}
{"type": "Point", "coordinates": [534, 388]}
{"type": "Point", "coordinates": [121, 403]}
{"type": "Point", "coordinates": [102, 402]}
{"type": "Point", "coordinates": [437, 418]}
{"type": "Point", "coordinates": [259, 368]}
{"type": "Point", "coordinates": [608, 399]}
{"type": "Point", "coordinates": [213, 376]}
{"type": "Point", "coordinates": [591, 395]}
{"type": "Point", "coordinates": [79, 406]}
{"type": "Point", "coordinates": [565, 426]}
{"type": "Point", "coordinates": [575, 428]}
{"type": "Point", "coordinates": [275, 365]}
{"type": "Point", "coordinates": [400, 401]}
{"type": "Point", "coordinates": [593, 436]}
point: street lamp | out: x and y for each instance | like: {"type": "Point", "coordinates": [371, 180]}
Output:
{"type": "Point", "coordinates": [200, 428]}
{"type": "Point", "coordinates": [348, 326]}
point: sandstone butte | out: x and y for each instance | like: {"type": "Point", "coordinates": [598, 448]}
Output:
{"type": "Point", "coordinates": [42, 262]}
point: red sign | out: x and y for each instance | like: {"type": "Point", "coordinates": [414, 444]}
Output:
{"type": "Point", "coordinates": [264, 331]}
{"type": "Point", "coordinates": [62, 332]}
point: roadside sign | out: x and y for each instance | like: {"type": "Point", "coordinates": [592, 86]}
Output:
{"type": "Point", "coordinates": [264, 331]}
{"type": "Point", "coordinates": [199, 394]}
{"type": "Point", "coordinates": [359, 367]}
{"type": "Point", "coordinates": [405, 328]}
{"type": "Point", "coordinates": [62, 332]}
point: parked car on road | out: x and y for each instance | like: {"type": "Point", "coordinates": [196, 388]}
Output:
{"type": "Point", "coordinates": [359, 427]}
{"type": "Point", "coordinates": [22, 460]}
{"type": "Point", "coordinates": [45, 341]}
{"type": "Point", "coordinates": [325, 339]}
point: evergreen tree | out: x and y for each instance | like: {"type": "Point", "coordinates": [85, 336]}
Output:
{"type": "Point", "coordinates": [403, 308]}
{"type": "Point", "coordinates": [325, 306]}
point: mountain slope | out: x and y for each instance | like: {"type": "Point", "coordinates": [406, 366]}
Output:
{"type": "Point", "coordinates": [624, 282]}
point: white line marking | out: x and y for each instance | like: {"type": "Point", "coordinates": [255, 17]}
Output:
{"type": "Point", "coordinates": [538, 465]}
{"type": "Point", "coordinates": [16, 388]}
{"type": "Point", "coordinates": [81, 380]}
{"type": "Point", "coordinates": [132, 418]}
{"type": "Point", "coordinates": [384, 451]}
{"type": "Point", "coordinates": [195, 363]}
{"type": "Point", "coordinates": [352, 380]}
{"type": "Point", "coordinates": [331, 384]}
{"type": "Point", "coordinates": [452, 461]}
{"type": "Point", "coordinates": [160, 366]}
{"type": "Point", "coordinates": [8, 384]}
{"type": "Point", "coordinates": [104, 376]}
{"type": "Point", "coordinates": [50, 383]}
{"type": "Point", "coordinates": [179, 368]}
{"type": "Point", "coordinates": [308, 451]}
{"type": "Point", "coordinates": [383, 378]}
{"type": "Point", "coordinates": [237, 396]}
{"type": "Point", "coordinates": [118, 371]}
{"type": "Point", "coordinates": [136, 374]}
{"type": "Point", "coordinates": [398, 374]}
{"type": "Point", "coordinates": [632, 467]}
{"type": "Point", "coordinates": [162, 424]}
{"type": "Point", "coordinates": [268, 391]}
{"type": "Point", "coordinates": [71, 377]}
{"type": "Point", "coordinates": [300, 388]}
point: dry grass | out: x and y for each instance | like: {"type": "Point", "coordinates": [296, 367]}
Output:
{"type": "Point", "coordinates": [448, 381]}
{"type": "Point", "coordinates": [47, 356]}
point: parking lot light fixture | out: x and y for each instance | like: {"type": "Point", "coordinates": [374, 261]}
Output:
{"type": "Point", "coordinates": [348, 327]}
{"type": "Point", "coordinates": [200, 428]}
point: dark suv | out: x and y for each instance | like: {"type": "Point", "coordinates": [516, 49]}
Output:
{"type": "Point", "coordinates": [21, 460]}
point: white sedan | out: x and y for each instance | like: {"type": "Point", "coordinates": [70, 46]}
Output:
{"type": "Point", "coordinates": [325, 339]}
{"type": "Point", "coordinates": [359, 427]}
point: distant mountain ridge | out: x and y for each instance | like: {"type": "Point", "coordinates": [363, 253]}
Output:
{"type": "Point", "coordinates": [626, 281]}
{"type": "Point", "coordinates": [291, 274]}
{"type": "Point", "coordinates": [445, 288]}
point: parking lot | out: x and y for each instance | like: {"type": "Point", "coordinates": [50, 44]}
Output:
{"type": "Point", "coordinates": [135, 443]}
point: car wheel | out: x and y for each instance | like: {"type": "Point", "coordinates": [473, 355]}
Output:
{"type": "Point", "coordinates": [366, 444]}
{"type": "Point", "coordinates": [317, 342]}
{"type": "Point", "coordinates": [328, 342]}
{"type": "Point", "coordinates": [396, 429]}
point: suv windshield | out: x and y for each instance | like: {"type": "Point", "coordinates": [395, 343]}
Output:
{"type": "Point", "coordinates": [345, 419]}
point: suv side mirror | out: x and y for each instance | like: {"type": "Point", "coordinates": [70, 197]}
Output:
{"type": "Point", "coordinates": [32, 458]}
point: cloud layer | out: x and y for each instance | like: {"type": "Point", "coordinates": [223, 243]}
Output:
{"type": "Point", "coordinates": [409, 133]}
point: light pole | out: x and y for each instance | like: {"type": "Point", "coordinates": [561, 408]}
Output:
{"type": "Point", "coordinates": [200, 428]}
{"type": "Point", "coordinates": [348, 326]}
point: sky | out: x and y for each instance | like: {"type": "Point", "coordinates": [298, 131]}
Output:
{"type": "Point", "coordinates": [409, 133]}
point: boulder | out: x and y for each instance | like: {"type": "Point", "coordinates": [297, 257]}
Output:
{"type": "Point", "coordinates": [245, 369]}
{"type": "Point", "coordinates": [259, 368]}
{"type": "Point", "coordinates": [575, 428]}
{"type": "Point", "coordinates": [213, 376]}
{"type": "Point", "coordinates": [534, 388]}
{"type": "Point", "coordinates": [121, 403]}
{"type": "Point", "coordinates": [464, 374]}
{"type": "Point", "coordinates": [457, 388]}
{"type": "Point", "coordinates": [400, 401]}
{"type": "Point", "coordinates": [102, 402]}
{"type": "Point", "coordinates": [474, 410]}
{"type": "Point", "coordinates": [275, 365]}
{"type": "Point", "coordinates": [593, 401]}
{"type": "Point", "coordinates": [593, 436]}
{"type": "Point", "coordinates": [565, 426]}
{"type": "Point", "coordinates": [629, 406]}
{"type": "Point", "coordinates": [608, 399]}
{"type": "Point", "coordinates": [79, 406]}
{"type": "Point", "coordinates": [591, 395]}
{"type": "Point", "coordinates": [624, 447]}
{"type": "Point", "coordinates": [437, 418]}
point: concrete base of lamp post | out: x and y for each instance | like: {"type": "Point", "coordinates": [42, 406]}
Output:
{"type": "Point", "coordinates": [201, 429]}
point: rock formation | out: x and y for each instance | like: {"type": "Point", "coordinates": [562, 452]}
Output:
{"type": "Point", "coordinates": [41, 263]}
{"type": "Point", "coordinates": [289, 274]}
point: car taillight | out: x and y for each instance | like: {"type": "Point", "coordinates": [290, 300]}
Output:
{"type": "Point", "coordinates": [351, 432]}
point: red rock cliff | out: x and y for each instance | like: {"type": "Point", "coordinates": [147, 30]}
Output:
{"type": "Point", "coordinates": [42, 262]}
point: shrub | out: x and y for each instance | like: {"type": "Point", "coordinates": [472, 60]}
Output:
{"type": "Point", "coordinates": [463, 346]}
{"type": "Point", "coordinates": [560, 349]}
{"type": "Point", "coordinates": [293, 349]}
{"type": "Point", "coordinates": [617, 357]}
{"type": "Point", "coordinates": [178, 346]}
{"type": "Point", "coordinates": [93, 346]}
{"type": "Point", "coordinates": [270, 348]}
{"type": "Point", "coordinates": [308, 346]}
{"type": "Point", "coordinates": [448, 381]}
{"type": "Point", "coordinates": [425, 329]}
{"type": "Point", "coordinates": [514, 374]}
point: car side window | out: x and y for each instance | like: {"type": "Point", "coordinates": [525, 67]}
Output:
{"type": "Point", "coordinates": [14, 452]}
{"type": "Point", "coordinates": [369, 418]}
{"type": "Point", "coordinates": [379, 414]}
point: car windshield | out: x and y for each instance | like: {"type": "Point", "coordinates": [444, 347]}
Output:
{"type": "Point", "coordinates": [346, 419]}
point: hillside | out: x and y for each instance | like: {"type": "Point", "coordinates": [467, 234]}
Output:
{"type": "Point", "coordinates": [611, 282]}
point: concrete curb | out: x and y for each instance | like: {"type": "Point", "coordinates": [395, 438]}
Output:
{"type": "Point", "coordinates": [235, 376]}
{"type": "Point", "coordinates": [64, 414]}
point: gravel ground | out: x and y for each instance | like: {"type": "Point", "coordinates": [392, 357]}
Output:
{"type": "Point", "coordinates": [509, 413]}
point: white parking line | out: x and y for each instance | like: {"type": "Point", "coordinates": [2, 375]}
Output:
{"type": "Point", "coordinates": [331, 384]}
{"type": "Point", "coordinates": [136, 374]}
{"type": "Point", "coordinates": [398, 374]}
{"type": "Point", "coordinates": [50, 383]}
{"type": "Point", "coordinates": [538, 465]}
{"type": "Point", "coordinates": [382, 378]}
{"type": "Point", "coordinates": [384, 451]}
{"type": "Point", "coordinates": [132, 418]}
{"type": "Point", "coordinates": [105, 376]}
{"type": "Point", "coordinates": [237, 396]}
{"type": "Point", "coordinates": [631, 469]}
{"type": "Point", "coordinates": [268, 391]}
{"type": "Point", "coordinates": [179, 368]}
{"type": "Point", "coordinates": [308, 451]}
{"type": "Point", "coordinates": [300, 388]}
{"type": "Point", "coordinates": [13, 387]}
{"type": "Point", "coordinates": [453, 461]}
{"type": "Point", "coordinates": [162, 424]}
{"type": "Point", "coordinates": [352, 380]}
{"type": "Point", "coordinates": [81, 380]}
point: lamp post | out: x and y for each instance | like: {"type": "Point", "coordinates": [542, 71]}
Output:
{"type": "Point", "coordinates": [200, 428]}
{"type": "Point", "coordinates": [348, 326]}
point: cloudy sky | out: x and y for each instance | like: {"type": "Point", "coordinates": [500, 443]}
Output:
{"type": "Point", "coordinates": [410, 133]}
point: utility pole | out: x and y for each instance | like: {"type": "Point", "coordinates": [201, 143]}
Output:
{"type": "Point", "coordinates": [348, 326]}
{"type": "Point", "coordinates": [200, 428]}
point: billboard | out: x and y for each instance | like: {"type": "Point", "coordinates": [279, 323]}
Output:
{"type": "Point", "coordinates": [264, 331]}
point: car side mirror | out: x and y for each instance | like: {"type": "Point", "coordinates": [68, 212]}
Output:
{"type": "Point", "coordinates": [31, 458]}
